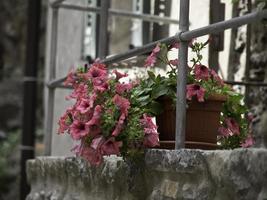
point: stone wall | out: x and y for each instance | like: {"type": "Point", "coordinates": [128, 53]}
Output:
{"type": "Point", "coordinates": [167, 175]}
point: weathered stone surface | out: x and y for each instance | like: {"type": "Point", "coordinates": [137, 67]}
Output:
{"type": "Point", "coordinates": [239, 174]}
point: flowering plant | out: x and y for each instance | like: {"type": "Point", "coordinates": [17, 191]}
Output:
{"type": "Point", "coordinates": [113, 117]}
{"type": "Point", "coordinates": [106, 118]}
{"type": "Point", "coordinates": [203, 82]}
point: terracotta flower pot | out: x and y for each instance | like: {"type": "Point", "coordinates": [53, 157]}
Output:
{"type": "Point", "coordinates": [202, 123]}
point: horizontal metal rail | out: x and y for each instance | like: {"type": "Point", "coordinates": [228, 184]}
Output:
{"type": "Point", "coordinates": [221, 26]}
{"type": "Point", "coordinates": [56, 3]}
{"type": "Point", "coordinates": [122, 13]}
{"type": "Point", "coordinates": [187, 36]}
{"type": "Point", "coordinates": [255, 84]}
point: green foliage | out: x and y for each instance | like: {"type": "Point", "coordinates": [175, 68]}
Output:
{"type": "Point", "coordinates": [156, 86]}
{"type": "Point", "coordinates": [7, 150]}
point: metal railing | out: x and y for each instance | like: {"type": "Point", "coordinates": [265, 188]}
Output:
{"type": "Point", "coordinates": [183, 36]}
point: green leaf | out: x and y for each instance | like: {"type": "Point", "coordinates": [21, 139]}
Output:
{"type": "Point", "coordinates": [155, 108]}
{"type": "Point", "coordinates": [159, 91]}
{"type": "Point", "coordinates": [151, 75]}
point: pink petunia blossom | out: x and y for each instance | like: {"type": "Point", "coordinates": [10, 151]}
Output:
{"type": "Point", "coordinates": [224, 131]}
{"type": "Point", "coordinates": [95, 120]}
{"type": "Point", "coordinates": [216, 78]}
{"type": "Point", "coordinates": [93, 156]}
{"type": "Point", "coordinates": [119, 75]}
{"type": "Point", "coordinates": [78, 130]}
{"type": "Point", "coordinates": [201, 72]}
{"type": "Point", "coordinates": [232, 125]}
{"type": "Point", "coordinates": [148, 122]}
{"type": "Point", "coordinates": [250, 117]}
{"type": "Point", "coordinates": [195, 89]}
{"type": "Point", "coordinates": [63, 122]}
{"type": "Point", "coordinates": [119, 125]}
{"type": "Point", "coordinates": [122, 103]}
{"type": "Point", "coordinates": [100, 84]}
{"type": "Point", "coordinates": [123, 87]}
{"type": "Point", "coordinates": [83, 118]}
{"type": "Point", "coordinates": [176, 45]}
{"type": "Point", "coordinates": [151, 140]}
{"type": "Point", "coordinates": [97, 142]}
{"type": "Point", "coordinates": [152, 58]}
{"type": "Point", "coordinates": [77, 149]}
{"type": "Point", "coordinates": [111, 147]}
{"type": "Point", "coordinates": [174, 62]}
{"type": "Point", "coordinates": [248, 142]}
{"type": "Point", "coordinates": [80, 91]}
{"type": "Point", "coordinates": [71, 79]}
{"type": "Point", "coordinates": [97, 70]}
{"type": "Point", "coordinates": [84, 106]}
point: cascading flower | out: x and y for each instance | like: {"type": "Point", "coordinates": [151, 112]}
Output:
{"type": "Point", "coordinates": [216, 77]}
{"type": "Point", "coordinates": [201, 72]}
{"type": "Point", "coordinates": [97, 70]}
{"type": "Point", "coordinates": [232, 125]}
{"type": "Point", "coordinates": [123, 87]}
{"type": "Point", "coordinates": [151, 137]}
{"type": "Point", "coordinates": [122, 103]}
{"type": "Point", "coordinates": [195, 90]}
{"type": "Point", "coordinates": [78, 130]}
{"type": "Point", "coordinates": [249, 141]}
{"type": "Point", "coordinates": [101, 113]}
{"type": "Point", "coordinates": [152, 58]}
{"type": "Point", "coordinates": [119, 75]}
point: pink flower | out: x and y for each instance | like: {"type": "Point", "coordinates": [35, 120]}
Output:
{"type": "Point", "coordinates": [122, 87]}
{"type": "Point", "coordinates": [174, 62]}
{"type": "Point", "coordinates": [110, 147]}
{"type": "Point", "coordinates": [97, 70]}
{"type": "Point", "coordinates": [250, 117]}
{"type": "Point", "coordinates": [201, 72]}
{"type": "Point", "coordinates": [119, 75]}
{"type": "Point", "coordinates": [151, 140]}
{"type": "Point", "coordinates": [64, 122]}
{"type": "Point", "coordinates": [80, 91]}
{"type": "Point", "coordinates": [224, 131]}
{"type": "Point", "coordinates": [216, 78]}
{"type": "Point", "coordinates": [97, 142]}
{"type": "Point", "coordinates": [248, 142]}
{"type": "Point", "coordinates": [93, 156]}
{"type": "Point", "coordinates": [119, 125]}
{"type": "Point", "coordinates": [156, 49]}
{"type": "Point", "coordinates": [71, 78]}
{"type": "Point", "coordinates": [176, 45]}
{"type": "Point", "coordinates": [232, 125]}
{"type": "Point", "coordinates": [78, 130]}
{"type": "Point", "coordinates": [195, 89]}
{"type": "Point", "coordinates": [95, 120]}
{"type": "Point", "coordinates": [152, 58]}
{"type": "Point", "coordinates": [122, 103]}
{"type": "Point", "coordinates": [147, 122]}
{"type": "Point", "coordinates": [84, 106]}
{"type": "Point", "coordinates": [100, 84]}
{"type": "Point", "coordinates": [77, 149]}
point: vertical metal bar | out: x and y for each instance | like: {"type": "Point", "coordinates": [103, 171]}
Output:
{"type": "Point", "coordinates": [248, 55]}
{"type": "Point", "coordinates": [103, 32]}
{"type": "Point", "coordinates": [30, 92]}
{"type": "Point", "coordinates": [52, 75]}
{"type": "Point", "coordinates": [182, 78]}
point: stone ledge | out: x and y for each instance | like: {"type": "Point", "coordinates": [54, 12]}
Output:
{"type": "Point", "coordinates": [179, 174]}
